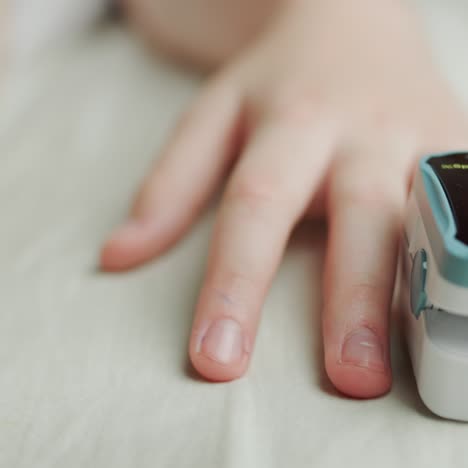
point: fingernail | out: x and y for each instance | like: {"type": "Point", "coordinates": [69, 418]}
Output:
{"type": "Point", "coordinates": [224, 342]}
{"type": "Point", "coordinates": [362, 348]}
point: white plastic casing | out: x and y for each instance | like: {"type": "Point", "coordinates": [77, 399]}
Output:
{"type": "Point", "coordinates": [438, 339]}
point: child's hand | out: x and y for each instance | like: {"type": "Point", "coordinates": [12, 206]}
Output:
{"type": "Point", "coordinates": [326, 113]}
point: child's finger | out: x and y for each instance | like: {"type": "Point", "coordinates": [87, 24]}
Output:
{"type": "Point", "coordinates": [266, 196]}
{"type": "Point", "coordinates": [182, 182]}
{"type": "Point", "coordinates": [366, 200]}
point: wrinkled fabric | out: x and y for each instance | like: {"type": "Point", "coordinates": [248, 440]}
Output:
{"type": "Point", "coordinates": [93, 367]}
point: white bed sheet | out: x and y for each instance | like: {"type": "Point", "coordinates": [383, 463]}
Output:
{"type": "Point", "coordinates": [93, 368]}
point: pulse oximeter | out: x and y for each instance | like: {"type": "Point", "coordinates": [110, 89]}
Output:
{"type": "Point", "coordinates": [434, 283]}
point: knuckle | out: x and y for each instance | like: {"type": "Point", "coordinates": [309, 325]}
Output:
{"type": "Point", "coordinates": [295, 104]}
{"type": "Point", "coordinates": [368, 291]}
{"type": "Point", "coordinates": [366, 194]}
{"type": "Point", "coordinates": [257, 193]}
{"type": "Point", "coordinates": [264, 201]}
{"type": "Point", "coordinates": [369, 188]}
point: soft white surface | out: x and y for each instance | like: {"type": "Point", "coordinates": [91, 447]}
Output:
{"type": "Point", "coordinates": [93, 369]}
{"type": "Point", "coordinates": [33, 25]}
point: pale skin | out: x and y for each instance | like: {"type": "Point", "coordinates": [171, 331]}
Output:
{"type": "Point", "coordinates": [317, 108]}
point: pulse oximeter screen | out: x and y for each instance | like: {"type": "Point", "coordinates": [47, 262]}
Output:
{"type": "Point", "coordinates": [452, 171]}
